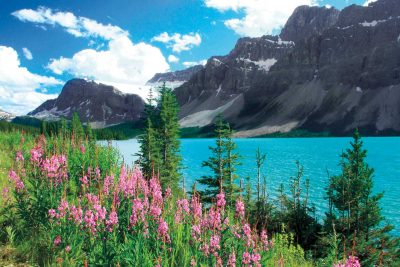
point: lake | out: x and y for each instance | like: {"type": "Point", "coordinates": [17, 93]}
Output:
{"type": "Point", "coordinates": [318, 156]}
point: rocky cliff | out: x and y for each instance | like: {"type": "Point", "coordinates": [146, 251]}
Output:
{"type": "Point", "coordinates": [6, 115]}
{"type": "Point", "coordinates": [329, 70]}
{"type": "Point", "coordinates": [99, 104]}
{"type": "Point", "coordinates": [175, 78]}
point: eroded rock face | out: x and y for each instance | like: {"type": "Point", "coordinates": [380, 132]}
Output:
{"type": "Point", "coordinates": [307, 21]}
{"type": "Point", "coordinates": [4, 115]}
{"type": "Point", "coordinates": [99, 104]}
{"type": "Point", "coordinates": [335, 71]}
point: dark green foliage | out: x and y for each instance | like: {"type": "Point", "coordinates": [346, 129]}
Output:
{"type": "Point", "coordinates": [6, 126]}
{"type": "Point", "coordinates": [149, 150]}
{"type": "Point", "coordinates": [76, 127]}
{"type": "Point", "coordinates": [222, 163]}
{"type": "Point", "coordinates": [159, 144]}
{"type": "Point", "coordinates": [168, 138]}
{"type": "Point", "coordinates": [354, 211]}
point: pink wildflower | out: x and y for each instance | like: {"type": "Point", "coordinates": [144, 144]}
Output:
{"type": "Point", "coordinates": [239, 209]}
{"type": "Point", "coordinates": [108, 181]}
{"type": "Point", "coordinates": [57, 241]}
{"type": "Point", "coordinates": [264, 240]}
{"type": "Point", "coordinates": [214, 243]}
{"type": "Point", "coordinates": [19, 185]}
{"type": "Point", "coordinates": [52, 213]}
{"type": "Point", "coordinates": [246, 258]}
{"type": "Point", "coordinates": [231, 260]}
{"type": "Point", "coordinates": [221, 200]}
{"type": "Point", "coordinates": [196, 207]}
{"type": "Point", "coordinates": [112, 220]}
{"type": "Point", "coordinates": [255, 258]}
{"type": "Point", "coordinates": [83, 149]}
{"type": "Point", "coordinates": [168, 192]}
{"type": "Point", "coordinates": [163, 231]}
{"type": "Point", "coordinates": [67, 249]}
{"type": "Point", "coordinates": [19, 156]}
{"type": "Point", "coordinates": [192, 263]}
{"type": "Point", "coordinates": [36, 155]}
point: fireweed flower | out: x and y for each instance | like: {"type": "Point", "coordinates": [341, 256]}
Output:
{"type": "Point", "coordinates": [67, 249]}
{"type": "Point", "coordinates": [255, 258]}
{"type": "Point", "coordinates": [214, 243]}
{"type": "Point", "coordinates": [36, 155]}
{"type": "Point", "coordinates": [231, 260]}
{"type": "Point", "coordinates": [90, 221]}
{"type": "Point", "coordinates": [19, 185]}
{"type": "Point", "coordinates": [196, 207]}
{"type": "Point", "coordinates": [196, 232]}
{"type": "Point", "coordinates": [55, 168]}
{"type": "Point", "coordinates": [108, 181]}
{"type": "Point", "coordinates": [163, 231]}
{"type": "Point", "coordinates": [4, 193]}
{"type": "Point", "coordinates": [57, 241]}
{"type": "Point", "coordinates": [183, 207]}
{"type": "Point", "coordinates": [350, 262]}
{"type": "Point", "coordinates": [52, 213]}
{"type": "Point", "coordinates": [264, 240]}
{"type": "Point", "coordinates": [83, 149]}
{"type": "Point", "coordinates": [112, 220]}
{"type": "Point", "coordinates": [239, 209]}
{"type": "Point", "coordinates": [85, 181]}
{"type": "Point", "coordinates": [76, 214]}
{"type": "Point", "coordinates": [168, 192]}
{"type": "Point", "coordinates": [192, 263]}
{"type": "Point", "coordinates": [246, 258]}
{"type": "Point", "coordinates": [221, 200]}
{"type": "Point", "coordinates": [19, 156]}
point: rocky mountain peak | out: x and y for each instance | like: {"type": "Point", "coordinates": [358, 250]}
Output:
{"type": "Point", "coordinates": [97, 103]}
{"type": "Point", "coordinates": [308, 20]}
{"type": "Point", "coordinates": [377, 12]}
{"type": "Point", "coordinates": [4, 115]}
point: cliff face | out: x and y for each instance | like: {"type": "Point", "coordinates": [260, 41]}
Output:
{"type": "Point", "coordinates": [99, 104]}
{"type": "Point", "coordinates": [174, 79]}
{"type": "Point", "coordinates": [335, 71]}
{"type": "Point", "coordinates": [6, 115]}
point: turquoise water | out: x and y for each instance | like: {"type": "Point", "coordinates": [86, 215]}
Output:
{"type": "Point", "coordinates": [319, 156]}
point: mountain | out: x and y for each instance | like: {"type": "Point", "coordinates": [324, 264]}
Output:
{"type": "Point", "coordinates": [6, 115]}
{"type": "Point", "coordinates": [329, 70]}
{"type": "Point", "coordinates": [174, 79]}
{"type": "Point", "coordinates": [99, 104]}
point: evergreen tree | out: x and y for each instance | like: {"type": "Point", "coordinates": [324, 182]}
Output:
{"type": "Point", "coordinates": [43, 127]}
{"type": "Point", "coordinates": [355, 213]}
{"type": "Point", "coordinates": [76, 127]}
{"type": "Point", "coordinates": [149, 156]}
{"type": "Point", "coordinates": [222, 163]}
{"type": "Point", "coordinates": [64, 128]}
{"type": "Point", "coordinates": [168, 138]}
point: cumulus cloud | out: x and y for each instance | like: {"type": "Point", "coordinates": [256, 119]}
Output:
{"type": "Point", "coordinates": [27, 53]}
{"type": "Point", "coordinates": [369, 2]}
{"type": "Point", "coordinates": [173, 59]}
{"type": "Point", "coordinates": [188, 64]}
{"type": "Point", "coordinates": [77, 26]}
{"type": "Point", "coordinates": [179, 42]}
{"type": "Point", "coordinates": [260, 17]}
{"type": "Point", "coordinates": [18, 86]}
{"type": "Point", "coordinates": [115, 60]}
{"type": "Point", "coordinates": [125, 65]}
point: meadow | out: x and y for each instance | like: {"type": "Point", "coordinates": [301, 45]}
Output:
{"type": "Point", "coordinates": [69, 202]}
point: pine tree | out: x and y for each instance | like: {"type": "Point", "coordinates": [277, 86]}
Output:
{"type": "Point", "coordinates": [76, 127]}
{"type": "Point", "coordinates": [168, 138]}
{"type": "Point", "coordinates": [223, 163]}
{"type": "Point", "coordinates": [149, 156]}
{"type": "Point", "coordinates": [355, 213]}
{"type": "Point", "coordinates": [232, 161]}
{"type": "Point", "coordinates": [216, 163]}
{"type": "Point", "coordinates": [43, 127]}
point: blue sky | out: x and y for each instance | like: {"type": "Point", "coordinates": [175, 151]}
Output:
{"type": "Point", "coordinates": [121, 42]}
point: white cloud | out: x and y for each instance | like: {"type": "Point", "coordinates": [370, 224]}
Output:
{"type": "Point", "coordinates": [77, 26]}
{"type": "Point", "coordinates": [27, 53]}
{"type": "Point", "coordinates": [188, 64]}
{"type": "Point", "coordinates": [113, 60]}
{"type": "Point", "coordinates": [179, 42]}
{"type": "Point", "coordinates": [260, 17]}
{"type": "Point", "coordinates": [18, 86]}
{"type": "Point", "coordinates": [369, 2]}
{"type": "Point", "coordinates": [173, 59]}
{"type": "Point", "coordinates": [125, 65]}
